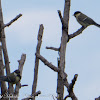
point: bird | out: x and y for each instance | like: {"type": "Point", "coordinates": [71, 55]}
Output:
{"type": "Point", "coordinates": [13, 77]}
{"type": "Point", "coordinates": [84, 20]}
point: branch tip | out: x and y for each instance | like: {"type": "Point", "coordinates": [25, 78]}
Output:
{"type": "Point", "coordinates": [53, 48]}
{"type": "Point", "coordinates": [13, 20]}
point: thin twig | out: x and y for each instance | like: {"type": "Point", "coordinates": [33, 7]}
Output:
{"type": "Point", "coordinates": [51, 66]}
{"type": "Point", "coordinates": [53, 48]}
{"type": "Point", "coordinates": [53, 97]}
{"type": "Point", "coordinates": [37, 93]}
{"type": "Point", "coordinates": [64, 25]}
{"type": "Point", "coordinates": [71, 85]}
{"type": "Point", "coordinates": [24, 85]}
{"type": "Point", "coordinates": [78, 32]}
{"type": "Point", "coordinates": [32, 96]}
{"type": "Point", "coordinates": [20, 67]}
{"type": "Point", "coordinates": [13, 20]}
{"type": "Point", "coordinates": [61, 18]}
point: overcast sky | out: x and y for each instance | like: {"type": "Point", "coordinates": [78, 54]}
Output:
{"type": "Point", "coordinates": [82, 54]}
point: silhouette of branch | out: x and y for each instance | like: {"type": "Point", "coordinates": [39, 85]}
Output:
{"type": "Point", "coordinates": [53, 97]}
{"type": "Point", "coordinates": [64, 24]}
{"type": "Point", "coordinates": [53, 48]}
{"type": "Point", "coordinates": [13, 20]}
{"type": "Point", "coordinates": [70, 88]}
{"type": "Point", "coordinates": [23, 85]}
{"type": "Point", "coordinates": [37, 93]}
{"type": "Point", "coordinates": [61, 18]}
{"type": "Point", "coordinates": [40, 35]}
{"type": "Point", "coordinates": [71, 85]}
{"type": "Point", "coordinates": [78, 32]}
{"type": "Point", "coordinates": [51, 66]}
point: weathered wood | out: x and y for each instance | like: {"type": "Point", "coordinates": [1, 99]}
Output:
{"type": "Point", "coordinates": [40, 34]}
{"type": "Point", "coordinates": [62, 53]}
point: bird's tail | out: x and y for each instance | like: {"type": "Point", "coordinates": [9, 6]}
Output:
{"type": "Point", "coordinates": [98, 25]}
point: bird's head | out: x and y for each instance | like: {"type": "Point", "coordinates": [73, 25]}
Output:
{"type": "Point", "coordinates": [77, 13]}
{"type": "Point", "coordinates": [17, 72]}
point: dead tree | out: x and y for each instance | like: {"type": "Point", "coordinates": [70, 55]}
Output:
{"type": "Point", "coordinates": [60, 69]}
{"type": "Point", "coordinates": [62, 76]}
{"type": "Point", "coordinates": [4, 63]}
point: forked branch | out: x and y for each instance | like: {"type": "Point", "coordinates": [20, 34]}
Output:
{"type": "Point", "coordinates": [70, 88]}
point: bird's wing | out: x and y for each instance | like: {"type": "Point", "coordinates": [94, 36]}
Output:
{"type": "Point", "coordinates": [7, 78]}
{"type": "Point", "coordinates": [86, 19]}
{"type": "Point", "coordinates": [11, 78]}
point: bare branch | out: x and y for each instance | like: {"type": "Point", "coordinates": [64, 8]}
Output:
{"type": "Point", "coordinates": [23, 85]}
{"type": "Point", "coordinates": [4, 48]}
{"type": "Point", "coordinates": [61, 18]}
{"type": "Point", "coordinates": [32, 96]}
{"type": "Point", "coordinates": [21, 62]}
{"type": "Point", "coordinates": [53, 48]}
{"type": "Point", "coordinates": [13, 20]}
{"type": "Point", "coordinates": [63, 75]}
{"type": "Point", "coordinates": [47, 63]}
{"type": "Point", "coordinates": [78, 32]}
{"type": "Point", "coordinates": [37, 93]}
{"type": "Point", "coordinates": [40, 35]}
{"type": "Point", "coordinates": [64, 25]}
{"type": "Point", "coordinates": [70, 87]}
{"type": "Point", "coordinates": [53, 97]}
{"type": "Point", "coordinates": [20, 67]}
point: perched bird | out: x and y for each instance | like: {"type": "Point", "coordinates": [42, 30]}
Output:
{"type": "Point", "coordinates": [84, 20]}
{"type": "Point", "coordinates": [13, 77]}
